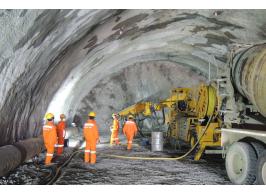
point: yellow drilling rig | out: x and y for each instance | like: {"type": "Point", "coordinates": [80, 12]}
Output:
{"type": "Point", "coordinates": [189, 110]}
{"type": "Point", "coordinates": [227, 115]}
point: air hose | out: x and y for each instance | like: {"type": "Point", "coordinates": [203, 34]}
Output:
{"type": "Point", "coordinates": [63, 165]}
{"type": "Point", "coordinates": [163, 116]}
{"type": "Point", "coordinates": [161, 158]}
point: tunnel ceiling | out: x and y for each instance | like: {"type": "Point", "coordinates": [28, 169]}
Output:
{"type": "Point", "coordinates": [73, 61]}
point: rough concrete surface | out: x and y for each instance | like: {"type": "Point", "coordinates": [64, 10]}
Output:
{"type": "Point", "coordinates": [52, 60]}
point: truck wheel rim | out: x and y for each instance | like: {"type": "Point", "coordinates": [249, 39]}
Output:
{"type": "Point", "coordinates": [238, 164]}
{"type": "Point", "coordinates": [263, 173]}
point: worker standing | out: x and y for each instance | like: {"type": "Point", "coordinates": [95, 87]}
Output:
{"type": "Point", "coordinates": [61, 133]}
{"type": "Point", "coordinates": [50, 137]}
{"type": "Point", "coordinates": [115, 130]}
{"type": "Point", "coordinates": [91, 134]}
{"type": "Point", "coordinates": [130, 130]}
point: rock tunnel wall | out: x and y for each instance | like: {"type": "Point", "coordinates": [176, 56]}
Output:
{"type": "Point", "coordinates": [54, 60]}
{"type": "Point", "coordinates": [146, 81]}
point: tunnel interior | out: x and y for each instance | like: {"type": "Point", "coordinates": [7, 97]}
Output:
{"type": "Point", "coordinates": [76, 61]}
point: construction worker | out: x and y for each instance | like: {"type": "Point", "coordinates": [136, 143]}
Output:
{"type": "Point", "coordinates": [61, 133]}
{"type": "Point", "coordinates": [115, 130]}
{"type": "Point", "coordinates": [91, 134]}
{"type": "Point", "coordinates": [130, 130]}
{"type": "Point", "coordinates": [50, 137]}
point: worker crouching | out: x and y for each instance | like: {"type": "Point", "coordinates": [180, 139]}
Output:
{"type": "Point", "coordinates": [50, 137]}
{"type": "Point", "coordinates": [115, 130]}
{"type": "Point", "coordinates": [91, 134]}
{"type": "Point", "coordinates": [61, 133]}
{"type": "Point", "coordinates": [130, 130]}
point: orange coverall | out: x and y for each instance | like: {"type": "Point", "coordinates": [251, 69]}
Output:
{"type": "Point", "coordinates": [50, 139]}
{"type": "Point", "coordinates": [130, 130]}
{"type": "Point", "coordinates": [91, 134]}
{"type": "Point", "coordinates": [61, 136]}
{"type": "Point", "coordinates": [115, 132]}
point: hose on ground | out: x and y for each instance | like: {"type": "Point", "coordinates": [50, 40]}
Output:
{"type": "Point", "coordinates": [63, 165]}
{"type": "Point", "coordinates": [161, 158]}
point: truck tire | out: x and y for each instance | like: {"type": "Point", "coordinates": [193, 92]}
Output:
{"type": "Point", "coordinates": [259, 148]}
{"type": "Point", "coordinates": [241, 163]}
{"type": "Point", "coordinates": [261, 180]}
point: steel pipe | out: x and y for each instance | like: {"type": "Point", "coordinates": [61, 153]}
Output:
{"type": "Point", "coordinates": [249, 75]}
{"type": "Point", "coordinates": [12, 156]}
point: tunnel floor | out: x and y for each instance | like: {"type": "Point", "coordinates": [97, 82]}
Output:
{"type": "Point", "coordinates": [126, 172]}
{"type": "Point", "coordinates": [108, 170]}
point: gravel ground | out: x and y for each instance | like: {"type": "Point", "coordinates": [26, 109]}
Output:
{"type": "Point", "coordinates": [32, 171]}
{"type": "Point", "coordinates": [125, 172]}
{"type": "Point", "coordinates": [115, 171]}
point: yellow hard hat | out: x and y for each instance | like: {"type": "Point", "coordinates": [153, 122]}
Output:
{"type": "Point", "coordinates": [92, 114]}
{"type": "Point", "coordinates": [130, 117]}
{"type": "Point", "coordinates": [49, 116]}
{"type": "Point", "coordinates": [62, 116]}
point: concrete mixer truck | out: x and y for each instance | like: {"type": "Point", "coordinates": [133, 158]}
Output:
{"type": "Point", "coordinates": [241, 90]}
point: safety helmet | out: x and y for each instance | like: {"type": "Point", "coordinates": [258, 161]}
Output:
{"type": "Point", "coordinates": [92, 114]}
{"type": "Point", "coordinates": [130, 117]}
{"type": "Point", "coordinates": [49, 116]}
{"type": "Point", "coordinates": [114, 115]}
{"type": "Point", "coordinates": [62, 116]}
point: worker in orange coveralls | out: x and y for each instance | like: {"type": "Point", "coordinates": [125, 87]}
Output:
{"type": "Point", "coordinates": [61, 133]}
{"type": "Point", "coordinates": [130, 130]}
{"type": "Point", "coordinates": [115, 130]}
{"type": "Point", "coordinates": [50, 137]}
{"type": "Point", "coordinates": [91, 134]}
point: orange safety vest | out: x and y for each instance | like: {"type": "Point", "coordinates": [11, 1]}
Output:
{"type": "Point", "coordinates": [90, 131]}
{"type": "Point", "coordinates": [130, 128]}
{"type": "Point", "coordinates": [49, 134]}
{"type": "Point", "coordinates": [61, 129]}
{"type": "Point", "coordinates": [115, 125]}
